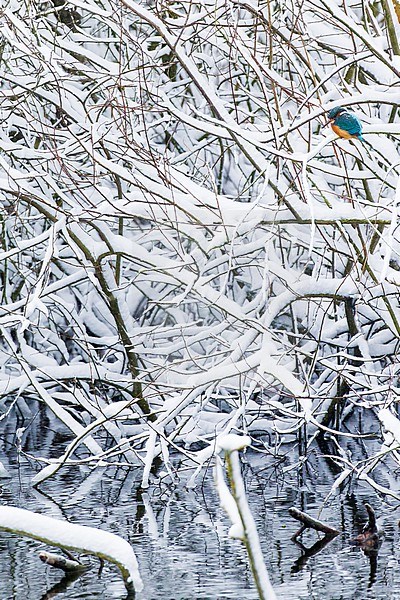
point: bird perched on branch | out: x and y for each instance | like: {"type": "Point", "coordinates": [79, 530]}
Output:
{"type": "Point", "coordinates": [345, 123]}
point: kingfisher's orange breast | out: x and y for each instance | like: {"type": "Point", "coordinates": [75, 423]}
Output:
{"type": "Point", "coordinates": [342, 132]}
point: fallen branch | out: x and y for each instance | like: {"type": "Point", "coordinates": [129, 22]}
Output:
{"type": "Point", "coordinates": [310, 523]}
{"type": "Point", "coordinates": [69, 536]}
{"type": "Point", "coordinates": [60, 562]}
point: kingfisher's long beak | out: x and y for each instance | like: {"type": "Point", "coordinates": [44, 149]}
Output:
{"type": "Point", "coordinates": [328, 123]}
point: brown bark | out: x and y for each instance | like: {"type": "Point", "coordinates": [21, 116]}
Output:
{"type": "Point", "coordinates": [310, 522]}
{"type": "Point", "coordinates": [60, 562]}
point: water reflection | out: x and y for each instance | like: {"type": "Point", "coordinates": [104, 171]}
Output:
{"type": "Point", "coordinates": [309, 552]}
{"type": "Point", "coordinates": [61, 586]}
{"type": "Point", "coordinates": [181, 537]}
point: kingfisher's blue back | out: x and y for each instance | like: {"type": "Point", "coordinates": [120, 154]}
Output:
{"type": "Point", "coordinates": [345, 123]}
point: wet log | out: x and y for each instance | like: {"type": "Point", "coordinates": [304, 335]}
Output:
{"type": "Point", "coordinates": [311, 523]}
{"type": "Point", "coordinates": [60, 562]}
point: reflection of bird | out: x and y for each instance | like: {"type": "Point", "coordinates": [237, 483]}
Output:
{"type": "Point", "coordinates": [345, 123]}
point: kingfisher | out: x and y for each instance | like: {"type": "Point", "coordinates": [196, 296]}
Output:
{"type": "Point", "coordinates": [345, 123]}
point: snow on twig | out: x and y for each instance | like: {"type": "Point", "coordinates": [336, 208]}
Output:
{"type": "Point", "coordinates": [70, 536]}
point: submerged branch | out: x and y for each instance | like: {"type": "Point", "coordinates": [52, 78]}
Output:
{"type": "Point", "coordinates": [311, 523]}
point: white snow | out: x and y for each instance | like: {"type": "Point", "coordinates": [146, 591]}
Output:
{"type": "Point", "coordinates": [231, 441]}
{"type": "Point", "coordinates": [74, 537]}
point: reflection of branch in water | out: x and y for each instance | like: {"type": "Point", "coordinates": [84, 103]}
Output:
{"type": "Point", "coordinates": [68, 580]}
{"type": "Point", "coordinates": [373, 565]}
{"type": "Point", "coordinates": [62, 585]}
{"type": "Point", "coordinates": [308, 552]}
{"type": "Point", "coordinates": [370, 548]}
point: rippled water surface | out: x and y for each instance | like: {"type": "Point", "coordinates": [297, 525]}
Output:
{"type": "Point", "coordinates": [181, 538]}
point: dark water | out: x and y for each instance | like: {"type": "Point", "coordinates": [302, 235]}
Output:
{"type": "Point", "coordinates": [181, 538]}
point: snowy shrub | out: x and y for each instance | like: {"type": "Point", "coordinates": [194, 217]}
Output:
{"type": "Point", "coordinates": [181, 238]}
